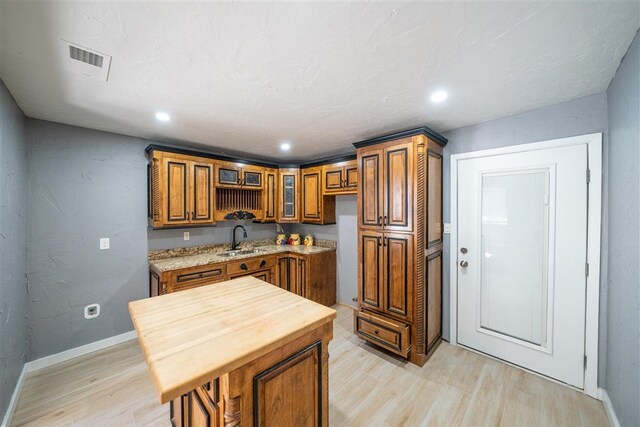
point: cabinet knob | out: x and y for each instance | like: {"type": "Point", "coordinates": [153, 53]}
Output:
{"type": "Point", "coordinates": [243, 266]}
{"type": "Point", "coordinates": [262, 263]}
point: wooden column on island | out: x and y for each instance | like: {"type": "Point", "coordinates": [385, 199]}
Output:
{"type": "Point", "coordinates": [240, 352]}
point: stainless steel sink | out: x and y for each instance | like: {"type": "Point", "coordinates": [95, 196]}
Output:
{"type": "Point", "coordinates": [230, 254]}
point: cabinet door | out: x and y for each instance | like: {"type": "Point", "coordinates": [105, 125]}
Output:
{"type": "Point", "coordinates": [371, 269]}
{"type": "Point", "coordinates": [371, 183]}
{"type": "Point", "coordinates": [176, 201]}
{"type": "Point", "coordinates": [288, 195]}
{"type": "Point", "coordinates": [303, 277]}
{"type": "Point", "coordinates": [333, 179]}
{"type": "Point", "coordinates": [282, 272]}
{"type": "Point", "coordinates": [351, 177]}
{"type": "Point", "coordinates": [269, 197]}
{"type": "Point", "coordinates": [398, 276]}
{"type": "Point", "coordinates": [398, 187]}
{"type": "Point", "coordinates": [227, 175]}
{"type": "Point", "coordinates": [201, 193]}
{"type": "Point", "coordinates": [311, 195]}
{"type": "Point", "coordinates": [251, 178]}
{"type": "Point", "coordinates": [294, 279]}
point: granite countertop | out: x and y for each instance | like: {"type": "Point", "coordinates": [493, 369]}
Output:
{"type": "Point", "coordinates": [175, 259]}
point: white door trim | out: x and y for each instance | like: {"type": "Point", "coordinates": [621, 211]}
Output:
{"type": "Point", "coordinates": [594, 147]}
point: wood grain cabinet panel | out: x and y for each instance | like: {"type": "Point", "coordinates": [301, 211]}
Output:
{"type": "Point", "coordinates": [177, 193]}
{"type": "Point", "coordinates": [371, 269]}
{"type": "Point", "coordinates": [370, 195]}
{"type": "Point", "coordinates": [311, 194]}
{"type": "Point", "coordinates": [270, 196]}
{"type": "Point", "coordinates": [299, 375]}
{"type": "Point", "coordinates": [236, 175]}
{"type": "Point", "coordinates": [400, 243]}
{"type": "Point", "coordinates": [398, 266]}
{"type": "Point", "coordinates": [434, 198]}
{"type": "Point", "coordinates": [398, 188]}
{"type": "Point", "coordinates": [340, 178]}
{"type": "Point", "coordinates": [180, 191]}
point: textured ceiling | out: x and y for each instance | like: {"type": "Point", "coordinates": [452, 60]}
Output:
{"type": "Point", "coordinates": [245, 76]}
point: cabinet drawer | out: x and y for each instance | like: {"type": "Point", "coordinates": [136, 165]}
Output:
{"type": "Point", "coordinates": [383, 331]}
{"type": "Point", "coordinates": [192, 277]}
{"type": "Point", "coordinates": [250, 264]}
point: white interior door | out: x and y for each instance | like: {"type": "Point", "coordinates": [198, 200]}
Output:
{"type": "Point", "coordinates": [521, 251]}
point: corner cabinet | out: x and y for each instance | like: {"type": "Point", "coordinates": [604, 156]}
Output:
{"type": "Point", "coordinates": [180, 190]}
{"type": "Point", "coordinates": [316, 207]}
{"type": "Point", "coordinates": [400, 243]}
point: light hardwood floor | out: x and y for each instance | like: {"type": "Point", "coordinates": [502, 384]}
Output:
{"type": "Point", "coordinates": [367, 387]}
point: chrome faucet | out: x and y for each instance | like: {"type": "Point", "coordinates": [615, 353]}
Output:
{"type": "Point", "coordinates": [234, 244]}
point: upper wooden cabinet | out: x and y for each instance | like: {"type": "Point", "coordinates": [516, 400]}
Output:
{"type": "Point", "coordinates": [235, 175]}
{"type": "Point", "coordinates": [340, 178]}
{"type": "Point", "coordinates": [387, 182]}
{"type": "Point", "coordinates": [288, 195]}
{"type": "Point", "coordinates": [180, 190]}
{"type": "Point", "coordinates": [317, 208]}
{"type": "Point", "coordinates": [270, 196]}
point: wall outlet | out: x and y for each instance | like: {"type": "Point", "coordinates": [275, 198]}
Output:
{"type": "Point", "coordinates": [185, 235]}
{"type": "Point", "coordinates": [447, 228]}
{"type": "Point", "coordinates": [104, 243]}
{"type": "Point", "coordinates": [91, 311]}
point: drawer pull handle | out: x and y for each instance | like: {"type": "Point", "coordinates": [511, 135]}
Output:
{"type": "Point", "coordinates": [375, 331]}
{"type": "Point", "coordinates": [243, 266]}
{"type": "Point", "coordinates": [262, 263]}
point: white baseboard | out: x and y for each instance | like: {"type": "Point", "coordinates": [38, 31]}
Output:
{"type": "Point", "coordinates": [608, 408]}
{"type": "Point", "coordinates": [79, 351]}
{"type": "Point", "coordinates": [14, 398]}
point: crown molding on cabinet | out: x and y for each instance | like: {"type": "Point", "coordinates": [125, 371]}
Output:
{"type": "Point", "coordinates": [423, 130]}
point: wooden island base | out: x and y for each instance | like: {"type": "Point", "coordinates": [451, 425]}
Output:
{"type": "Point", "coordinates": [238, 353]}
{"type": "Point", "coordinates": [286, 387]}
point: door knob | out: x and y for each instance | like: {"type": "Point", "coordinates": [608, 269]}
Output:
{"type": "Point", "coordinates": [464, 264]}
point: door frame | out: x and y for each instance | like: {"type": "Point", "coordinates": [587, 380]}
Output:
{"type": "Point", "coordinates": [594, 219]}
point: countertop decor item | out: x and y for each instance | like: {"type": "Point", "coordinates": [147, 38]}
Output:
{"type": "Point", "coordinates": [281, 239]}
{"type": "Point", "coordinates": [294, 239]}
{"type": "Point", "coordinates": [308, 240]}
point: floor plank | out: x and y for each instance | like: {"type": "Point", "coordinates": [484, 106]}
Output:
{"type": "Point", "coordinates": [367, 387]}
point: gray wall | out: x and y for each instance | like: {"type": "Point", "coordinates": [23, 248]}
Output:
{"type": "Point", "coordinates": [345, 232]}
{"type": "Point", "coordinates": [83, 185]}
{"type": "Point", "coordinates": [13, 210]}
{"type": "Point", "coordinates": [576, 117]}
{"type": "Point", "coordinates": [623, 313]}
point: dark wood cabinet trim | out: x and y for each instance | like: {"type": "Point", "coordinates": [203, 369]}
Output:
{"type": "Point", "coordinates": [405, 222]}
{"type": "Point", "coordinates": [406, 275]}
{"type": "Point", "coordinates": [435, 136]}
{"type": "Point", "coordinates": [429, 207]}
{"type": "Point", "coordinates": [377, 185]}
{"type": "Point", "coordinates": [195, 192]}
{"type": "Point", "coordinates": [184, 190]}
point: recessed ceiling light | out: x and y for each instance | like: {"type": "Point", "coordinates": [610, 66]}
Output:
{"type": "Point", "coordinates": [285, 146]}
{"type": "Point", "coordinates": [439, 96]}
{"type": "Point", "coordinates": [163, 117]}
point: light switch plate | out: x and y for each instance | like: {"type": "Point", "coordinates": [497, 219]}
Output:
{"type": "Point", "coordinates": [104, 243]}
{"type": "Point", "coordinates": [447, 228]}
{"type": "Point", "coordinates": [185, 235]}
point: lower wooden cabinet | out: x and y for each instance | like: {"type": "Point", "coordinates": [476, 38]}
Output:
{"type": "Point", "coordinates": [312, 276]}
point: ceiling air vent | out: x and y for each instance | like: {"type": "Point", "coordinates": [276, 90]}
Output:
{"type": "Point", "coordinates": [88, 62]}
{"type": "Point", "coordinates": [86, 56]}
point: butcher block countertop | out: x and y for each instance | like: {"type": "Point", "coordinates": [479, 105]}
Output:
{"type": "Point", "coordinates": [191, 337]}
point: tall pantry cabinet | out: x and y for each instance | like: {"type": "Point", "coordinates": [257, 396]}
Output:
{"type": "Point", "coordinates": [400, 242]}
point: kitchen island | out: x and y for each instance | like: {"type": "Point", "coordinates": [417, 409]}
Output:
{"type": "Point", "coordinates": [240, 352]}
